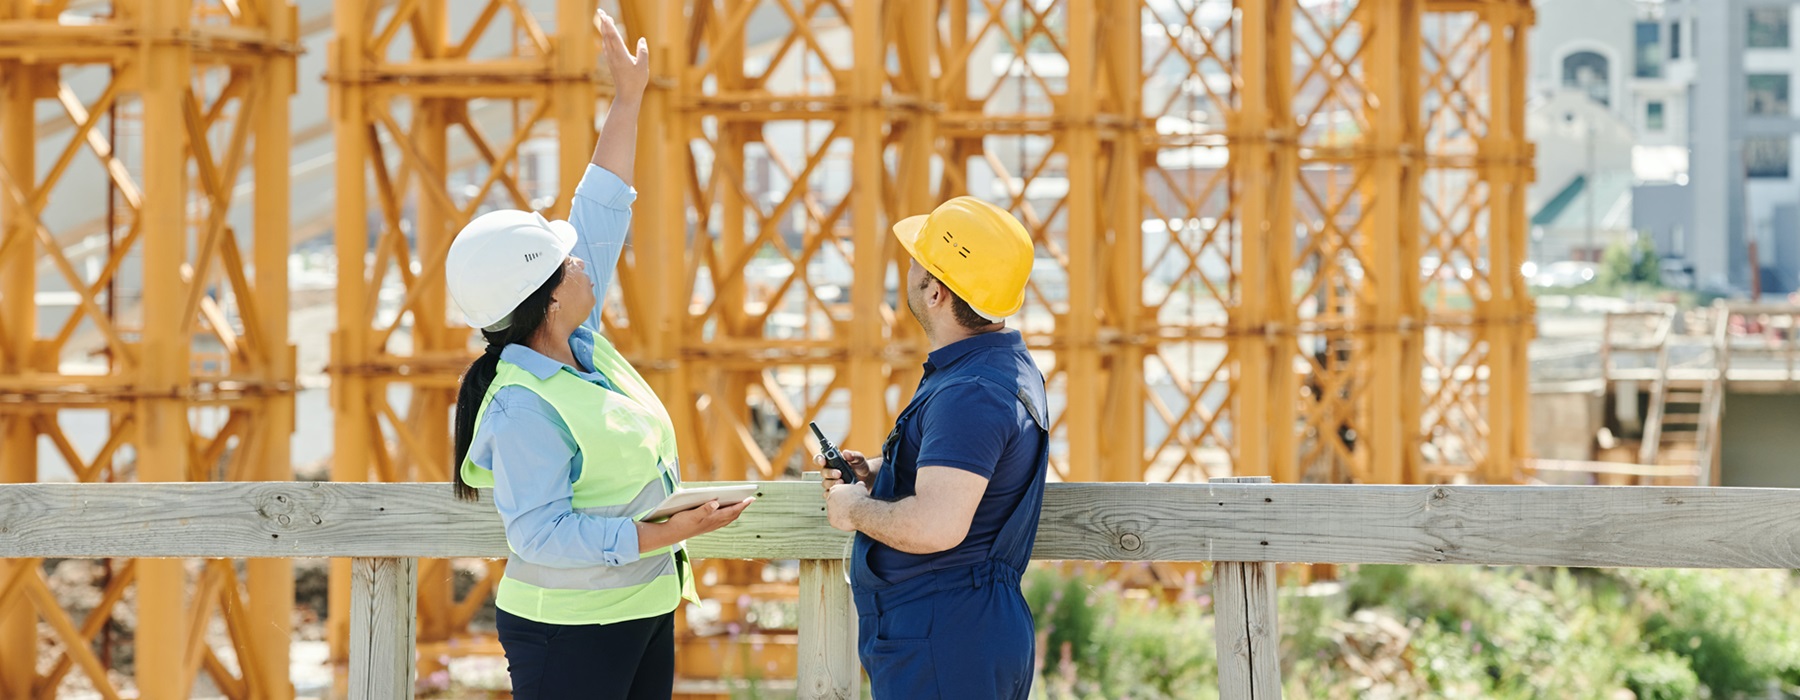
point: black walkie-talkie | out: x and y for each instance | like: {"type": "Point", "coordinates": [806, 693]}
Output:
{"type": "Point", "coordinates": [832, 458]}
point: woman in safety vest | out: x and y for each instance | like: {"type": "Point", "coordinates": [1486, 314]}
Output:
{"type": "Point", "coordinates": [571, 439]}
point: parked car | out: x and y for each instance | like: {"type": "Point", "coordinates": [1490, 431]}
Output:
{"type": "Point", "coordinates": [1677, 272]}
{"type": "Point", "coordinates": [1563, 274]}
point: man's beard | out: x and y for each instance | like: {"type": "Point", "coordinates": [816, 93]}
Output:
{"type": "Point", "coordinates": [912, 306]}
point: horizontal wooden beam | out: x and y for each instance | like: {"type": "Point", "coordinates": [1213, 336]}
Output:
{"type": "Point", "coordinates": [1659, 527]}
{"type": "Point", "coordinates": [1579, 466]}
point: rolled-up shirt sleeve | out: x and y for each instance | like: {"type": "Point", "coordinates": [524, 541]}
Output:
{"type": "Point", "coordinates": [601, 215]}
{"type": "Point", "coordinates": [535, 462]}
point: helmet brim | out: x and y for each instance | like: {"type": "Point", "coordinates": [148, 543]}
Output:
{"type": "Point", "coordinates": [566, 237]}
{"type": "Point", "coordinates": [907, 231]}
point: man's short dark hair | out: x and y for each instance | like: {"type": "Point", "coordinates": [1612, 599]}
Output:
{"type": "Point", "coordinates": [965, 314]}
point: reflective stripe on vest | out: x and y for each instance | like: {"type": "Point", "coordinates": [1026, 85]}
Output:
{"type": "Point", "coordinates": [628, 465]}
{"type": "Point", "coordinates": [637, 573]}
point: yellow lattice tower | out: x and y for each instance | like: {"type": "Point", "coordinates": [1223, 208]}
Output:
{"type": "Point", "coordinates": [1474, 238]}
{"type": "Point", "coordinates": [1227, 199]}
{"type": "Point", "coordinates": [163, 108]}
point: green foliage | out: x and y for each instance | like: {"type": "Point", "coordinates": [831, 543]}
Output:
{"type": "Point", "coordinates": [1731, 629]}
{"type": "Point", "coordinates": [1096, 643]}
{"type": "Point", "coordinates": [1468, 632]}
{"type": "Point", "coordinates": [1069, 610]}
{"type": "Point", "coordinates": [1661, 675]}
{"type": "Point", "coordinates": [1617, 266]}
{"type": "Point", "coordinates": [1504, 633]}
{"type": "Point", "coordinates": [1647, 269]}
{"type": "Point", "coordinates": [1626, 265]}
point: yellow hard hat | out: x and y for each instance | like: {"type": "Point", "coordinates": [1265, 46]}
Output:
{"type": "Point", "coordinates": [978, 250]}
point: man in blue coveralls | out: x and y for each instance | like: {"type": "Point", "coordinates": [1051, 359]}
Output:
{"type": "Point", "coordinates": [946, 517]}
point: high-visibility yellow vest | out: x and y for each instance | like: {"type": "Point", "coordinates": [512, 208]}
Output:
{"type": "Point", "coordinates": [628, 465]}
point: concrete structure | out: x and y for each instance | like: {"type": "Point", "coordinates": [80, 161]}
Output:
{"type": "Point", "coordinates": [1704, 87]}
{"type": "Point", "coordinates": [1736, 59]}
{"type": "Point", "coordinates": [1583, 92]}
{"type": "Point", "coordinates": [1743, 137]}
{"type": "Point", "coordinates": [1582, 200]}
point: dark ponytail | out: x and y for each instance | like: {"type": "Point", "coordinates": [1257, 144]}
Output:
{"type": "Point", "coordinates": [526, 319]}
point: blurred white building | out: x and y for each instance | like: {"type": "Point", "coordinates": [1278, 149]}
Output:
{"type": "Point", "coordinates": [1703, 88]}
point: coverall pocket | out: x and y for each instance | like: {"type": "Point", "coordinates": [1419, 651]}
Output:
{"type": "Point", "coordinates": [901, 670]}
{"type": "Point", "coordinates": [908, 621]}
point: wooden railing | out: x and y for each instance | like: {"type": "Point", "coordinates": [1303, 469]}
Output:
{"type": "Point", "coordinates": [1244, 526]}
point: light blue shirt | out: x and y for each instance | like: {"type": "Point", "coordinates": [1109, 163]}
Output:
{"type": "Point", "coordinates": [525, 443]}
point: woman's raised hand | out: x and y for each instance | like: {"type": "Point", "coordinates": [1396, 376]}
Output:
{"type": "Point", "coordinates": [631, 72]}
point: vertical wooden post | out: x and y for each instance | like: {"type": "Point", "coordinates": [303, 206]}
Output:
{"type": "Point", "coordinates": [730, 387]}
{"type": "Point", "coordinates": [1124, 281]}
{"type": "Point", "coordinates": [271, 581]}
{"type": "Point", "coordinates": [1250, 170]}
{"type": "Point", "coordinates": [18, 332]}
{"type": "Point", "coordinates": [437, 226]}
{"type": "Point", "coordinates": [383, 593]}
{"type": "Point", "coordinates": [1278, 247]}
{"type": "Point", "coordinates": [1390, 174]}
{"type": "Point", "coordinates": [1079, 136]}
{"type": "Point", "coordinates": [659, 318]}
{"type": "Point", "coordinates": [869, 418]}
{"type": "Point", "coordinates": [161, 411]}
{"type": "Point", "coordinates": [1248, 635]}
{"type": "Point", "coordinates": [919, 42]}
{"type": "Point", "coordinates": [828, 664]}
{"type": "Point", "coordinates": [351, 392]}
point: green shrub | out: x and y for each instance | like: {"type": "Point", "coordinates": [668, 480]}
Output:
{"type": "Point", "coordinates": [1661, 676]}
{"type": "Point", "coordinates": [1097, 644]}
{"type": "Point", "coordinates": [1466, 632]}
{"type": "Point", "coordinates": [1068, 610]}
{"type": "Point", "coordinates": [1736, 629]}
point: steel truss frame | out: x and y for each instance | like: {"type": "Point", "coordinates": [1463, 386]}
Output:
{"type": "Point", "coordinates": [197, 375]}
{"type": "Point", "coordinates": [1274, 238]}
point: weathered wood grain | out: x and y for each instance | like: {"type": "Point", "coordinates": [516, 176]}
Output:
{"type": "Point", "coordinates": [257, 519]}
{"type": "Point", "coordinates": [828, 665]}
{"type": "Point", "coordinates": [1526, 525]}
{"type": "Point", "coordinates": [1531, 525]}
{"type": "Point", "coordinates": [829, 669]}
{"type": "Point", "coordinates": [383, 594]}
{"type": "Point", "coordinates": [1245, 625]}
{"type": "Point", "coordinates": [787, 521]}
{"type": "Point", "coordinates": [301, 520]}
{"type": "Point", "coordinates": [1264, 630]}
{"type": "Point", "coordinates": [1231, 626]}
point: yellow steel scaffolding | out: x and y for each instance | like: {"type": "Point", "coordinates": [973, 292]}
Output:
{"type": "Point", "coordinates": [1275, 238]}
{"type": "Point", "coordinates": [196, 378]}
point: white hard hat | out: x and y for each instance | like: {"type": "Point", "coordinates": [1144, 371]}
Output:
{"type": "Point", "coordinates": [499, 259]}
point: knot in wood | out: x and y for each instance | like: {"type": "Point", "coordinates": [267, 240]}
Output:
{"type": "Point", "coordinates": [1130, 542]}
{"type": "Point", "coordinates": [274, 506]}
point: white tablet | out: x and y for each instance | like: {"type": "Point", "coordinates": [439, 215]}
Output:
{"type": "Point", "coordinates": [690, 498]}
